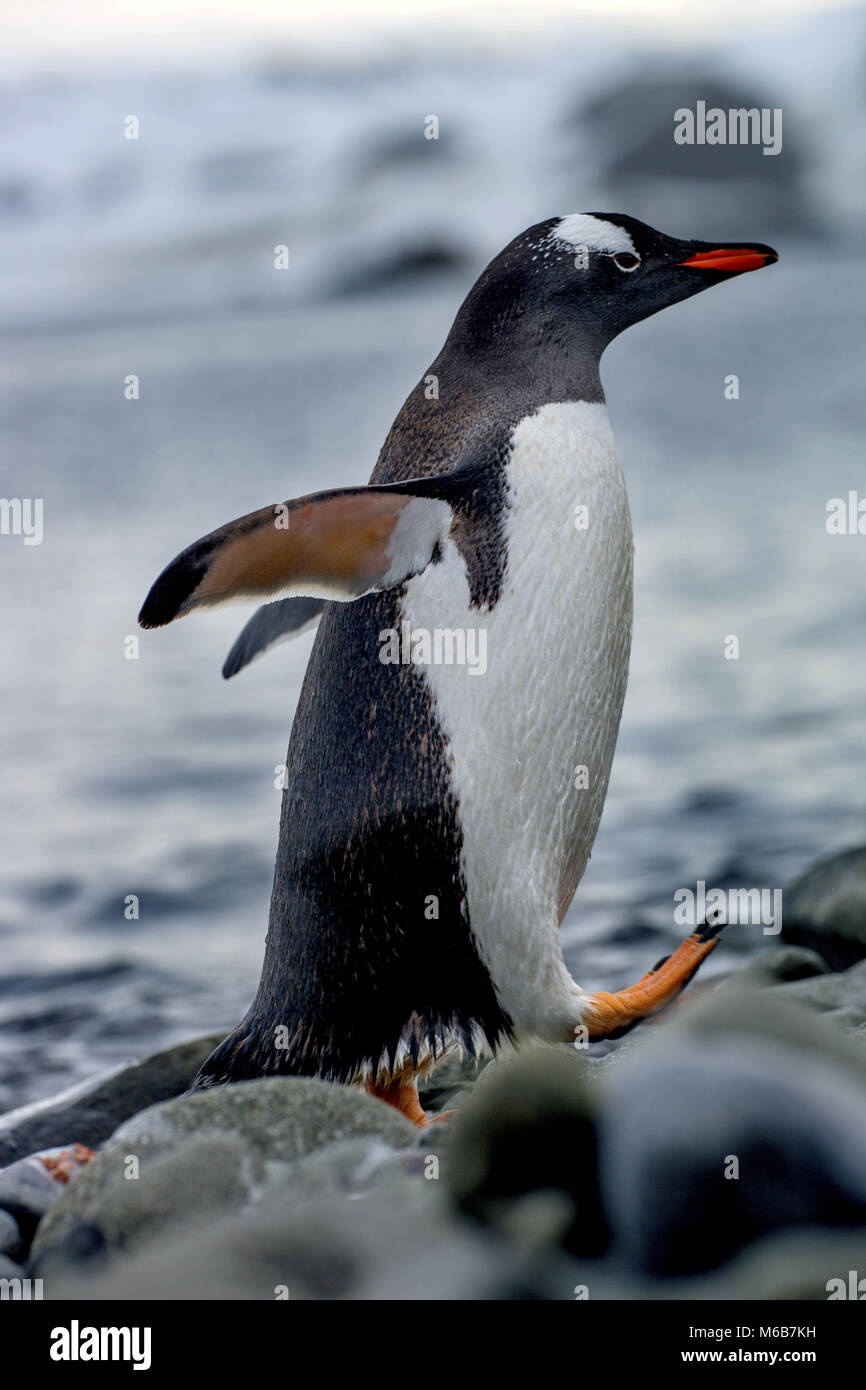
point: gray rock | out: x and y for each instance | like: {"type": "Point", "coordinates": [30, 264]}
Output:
{"type": "Point", "coordinates": [377, 1249]}
{"type": "Point", "coordinates": [11, 1240]}
{"type": "Point", "coordinates": [825, 908]}
{"type": "Point", "coordinates": [348, 1167]}
{"type": "Point", "coordinates": [202, 1176]}
{"type": "Point", "coordinates": [10, 1270]}
{"type": "Point", "coordinates": [27, 1192]}
{"type": "Point", "coordinates": [794, 1264]}
{"type": "Point", "coordinates": [785, 1265]}
{"type": "Point", "coordinates": [631, 127]}
{"type": "Point", "coordinates": [281, 1117]}
{"type": "Point", "coordinates": [82, 1245]}
{"type": "Point", "coordinates": [840, 997]}
{"type": "Point", "coordinates": [781, 965]}
{"type": "Point", "coordinates": [423, 261]}
{"type": "Point", "coordinates": [529, 1128]}
{"type": "Point", "coordinates": [398, 149]}
{"type": "Point", "coordinates": [804, 977]}
{"type": "Point", "coordinates": [747, 1084]}
{"type": "Point", "coordinates": [90, 1111]}
{"type": "Point", "coordinates": [219, 1150]}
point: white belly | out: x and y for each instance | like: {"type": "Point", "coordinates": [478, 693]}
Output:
{"type": "Point", "coordinates": [549, 701]}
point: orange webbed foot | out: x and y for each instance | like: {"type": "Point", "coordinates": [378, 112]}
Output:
{"type": "Point", "coordinates": [610, 1015]}
{"type": "Point", "coordinates": [403, 1095]}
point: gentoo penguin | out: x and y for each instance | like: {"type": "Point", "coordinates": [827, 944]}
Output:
{"type": "Point", "coordinates": [439, 812]}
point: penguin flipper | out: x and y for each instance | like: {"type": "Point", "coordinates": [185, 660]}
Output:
{"type": "Point", "coordinates": [336, 545]}
{"type": "Point", "coordinates": [271, 624]}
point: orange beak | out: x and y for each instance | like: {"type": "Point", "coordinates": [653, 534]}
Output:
{"type": "Point", "coordinates": [731, 259]}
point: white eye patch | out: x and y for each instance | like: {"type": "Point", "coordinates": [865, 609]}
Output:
{"type": "Point", "coordinates": [581, 229]}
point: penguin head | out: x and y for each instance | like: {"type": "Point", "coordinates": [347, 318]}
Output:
{"type": "Point", "coordinates": [573, 283]}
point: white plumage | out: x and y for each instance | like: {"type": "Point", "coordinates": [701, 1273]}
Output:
{"type": "Point", "coordinates": [582, 229]}
{"type": "Point", "coordinates": [558, 644]}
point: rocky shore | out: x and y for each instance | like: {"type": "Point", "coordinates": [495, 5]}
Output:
{"type": "Point", "coordinates": [717, 1152]}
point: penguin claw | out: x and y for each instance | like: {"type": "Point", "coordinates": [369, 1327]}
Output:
{"type": "Point", "coordinates": [612, 1015]}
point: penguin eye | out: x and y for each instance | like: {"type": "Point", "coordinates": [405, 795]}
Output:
{"type": "Point", "coordinates": [626, 261]}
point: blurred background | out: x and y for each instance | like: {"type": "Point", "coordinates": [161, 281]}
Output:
{"type": "Point", "coordinates": [262, 125]}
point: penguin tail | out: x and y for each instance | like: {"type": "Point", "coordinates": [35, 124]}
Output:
{"type": "Point", "coordinates": [235, 1059]}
